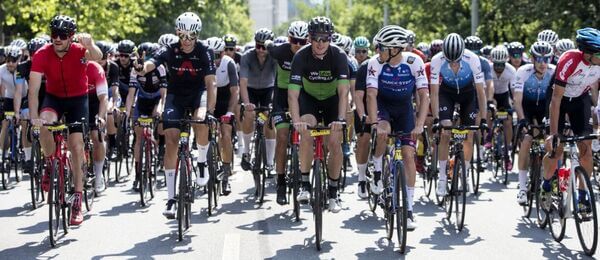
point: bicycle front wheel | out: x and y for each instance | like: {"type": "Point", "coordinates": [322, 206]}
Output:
{"type": "Point", "coordinates": [476, 164]}
{"type": "Point", "coordinates": [584, 211]}
{"type": "Point", "coordinates": [318, 202]}
{"type": "Point", "coordinates": [142, 172]}
{"type": "Point", "coordinates": [37, 196]}
{"type": "Point", "coordinates": [54, 203]}
{"type": "Point", "coordinates": [387, 197]}
{"type": "Point", "coordinates": [181, 198]}
{"type": "Point", "coordinates": [460, 190]}
{"type": "Point", "coordinates": [296, 179]}
{"type": "Point", "coordinates": [401, 204]}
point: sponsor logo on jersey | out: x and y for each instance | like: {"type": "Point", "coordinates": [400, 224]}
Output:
{"type": "Point", "coordinates": [420, 72]}
{"type": "Point", "coordinates": [372, 71]}
{"type": "Point", "coordinates": [410, 60]}
{"type": "Point", "coordinates": [563, 72]}
{"type": "Point", "coordinates": [296, 77]}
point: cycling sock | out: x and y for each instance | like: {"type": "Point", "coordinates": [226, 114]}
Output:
{"type": "Point", "coordinates": [270, 145]}
{"type": "Point", "coordinates": [306, 179]}
{"type": "Point", "coordinates": [280, 179]}
{"type": "Point", "coordinates": [362, 169]}
{"type": "Point", "coordinates": [333, 188]}
{"type": "Point", "coordinates": [202, 150]}
{"type": "Point", "coordinates": [523, 180]}
{"type": "Point", "coordinates": [247, 140]}
{"type": "Point", "coordinates": [27, 151]}
{"type": "Point", "coordinates": [410, 193]}
{"type": "Point", "coordinates": [98, 169]}
{"type": "Point", "coordinates": [467, 167]}
{"type": "Point", "coordinates": [240, 140]}
{"type": "Point", "coordinates": [377, 163]}
{"type": "Point", "coordinates": [170, 174]}
{"type": "Point", "coordinates": [442, 170]}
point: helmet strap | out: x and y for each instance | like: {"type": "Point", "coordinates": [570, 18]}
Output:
{"type": "Point", "coordinates": [390, 56]}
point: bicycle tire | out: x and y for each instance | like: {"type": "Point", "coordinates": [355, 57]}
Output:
{"type": "Point", "coordinates": [388, 204]}
{"type": "Point", "coordinates": [88, 192]}
{"type": "Point", "coordinates": [372, 198]}
{"type": "Point", "coordinates": [476, 164]}
{"type": "Point", "coordinates": [342, 180]}
{"type": "Point", "coordinates": [541, 214]}
{"type": "Point", "coordinates": [189, 198]}
{"type": "Point", "coordinates": [532, 185]}
{"type": "Point", "coordinates": [212, 173]}
{"type": "Point", "coordinates": [263, 170]}
{"type": "Point", "coordinates": [401, 204]}
{"type": "Point", "coordinates": [296, 179]}
{"type": "Point", "coordinates": [435, 174]}
{"type": "Point", "coordinates": [119, 154]}
{"type": "Point", "coordinates": [460, 185]}
{"type": "Point", "coordinates": [181, 198]}
{"type": "Point", "coordinates": [589, 247]}
{"type": "Point", "coordinates": [151, 168]}
{"type": "Point", "coordinates": [54, 204]}
{"type": "Point", "coordinates": [142, 174]}
{"type": "Point", "coordinates": [506, 160]}
{"type": "Point", "coordinates": [318, 202]}
{"type": "Point", "coordinates": [448, 200]}
{"type": "Point", "coordinates": [5, 164]}
{"type": "Point", "coordinates": [556, 219]}
{"type": "Point", "coordinates": [15, 153]}
{"type": "Point", "coordinates": [216, 160]}
{"type": "Point", "coordinates": [34, 180]}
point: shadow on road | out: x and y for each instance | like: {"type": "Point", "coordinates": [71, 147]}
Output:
{"type": "Point", "coordinates": [274, 225]}
{"type": "Point", "coordinates": [447, 237]}
{"type": "Point", "coordinates": [364, 223]}
{"type": "Point", "coordinates": [126, 208]}
{"type": "Point", "coordinates": [306, 251]}
{"type": "Point", "coordinates": [166, 244]}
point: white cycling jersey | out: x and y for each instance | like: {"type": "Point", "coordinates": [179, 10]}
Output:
{"type": "Point", "coordinates": [9, 80]}
{"type": "Point", "coordinates": [503, 81]}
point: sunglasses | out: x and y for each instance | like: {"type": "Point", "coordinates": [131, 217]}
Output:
{"type": "Point", "coordinates": [298, 41]}
{"type": "Point", "coordinates": [62, 35]}
{"type": "Point", "coordinates": [383, 48]}
{"type": "Point", "coordinates": [260, 47]}
{"type": "Point", "coordinates": [499, 65]}
{"type": "Point", "coordinates": [321, 38]}
{"type": "Point", "coordinates": [542, 59]}
{"type": "Point", "coordinates": [229, 49]}
{"type": "Point", "coordinates": [516, 55]}
{"type": "Point", "coordinates": [125, 55]}
{"type": "Point", "coordinates": [188, 36]}
{"type": "Point", "coordinates": [361, 51]}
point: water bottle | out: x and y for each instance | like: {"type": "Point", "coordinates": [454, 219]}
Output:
{"type": "Point", "coordinates": [563, 179]}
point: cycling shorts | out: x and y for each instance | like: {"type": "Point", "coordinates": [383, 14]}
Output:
{"type": "Point", "coordinates": [535, 110]}
{"type": "Point", "coordinates": [94, 107]}
{"type": "Point", "coordinates": [261, 97]}
{"type": "Point", "coordinates": [280, 107]}
{"type": "Point", "coordinates": [222, 105]}
{"type": "Point", "coordinates": [503, 101]}
{"type": "Point", "coordinates": [579, 110]}
{"type": "Point", "coordinates": [358, 129]}
{"type": "Point", "coordinates": [325, 111]}
{"type": "Point", "coordinates": [144, 107]}
{"type": "Point", "coordinates": [467, 102]}
{"type": "Point", "coordinates": [73, 108]}
{"type": "Point", "coordinates": [176, 106]}
{"type": "Point", "coordinates": [401, 119]}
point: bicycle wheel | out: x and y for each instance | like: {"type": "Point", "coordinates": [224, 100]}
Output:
{"type": "Point", "coordinates": [212, 173]}
{"type": "Point", "coordinates": [296, 179]}
{"type": "Point", "coordinates": [216, 159]}
{"type": "Point", "coordinates": [5, 164]}
{"type": "Point", "coordinates": [119, 155]}
{"type": "Point", "coordinates": [448, 200]}
{"type": "Point", "coordinates": [54, 203]}
{"type": "Point", "coordinates": [556, 217]}
{"type": "Point", "coordinates": [476, 164]}
{"type": "Point", "coordinates": [35, 175]}
{"type": "Point", "coordinates": [142, 172]}
{"type": "Point", "coordinates": [189, 196]}
{"type": "Point", "coordinates": [506, 158]}
{"type": "Point", "coordinates": [387, 196]}
{"type": "Point", "coordinates": [258, 171]}
{"type": "Point", "coordinates": [342, 179]}
{"type": "Point", "coordinates": [585, 216]}
{"type": "Point", "coordinates": [126, 149]}
{"type": "Point", "coordinates": [15, 153]}
{"type": "Point", "coordinates": [150, 168]}
{"type": "Point", "coordinates": [541, 214]}
{"type": "Point", "coordinates": [532, 185]}
{"type": "Point", "coordinates": [88, 190]}
{"type": "Point", "coordinates": [318, 202]}
{"type": "Point", "coordinates": [181, 201]}
{"type": "Point", "coordinates": [460, 190]}
{"type": "Point", "coordinates": [401, 205]}
{"type": "Point", "coordinates": [434, 172]}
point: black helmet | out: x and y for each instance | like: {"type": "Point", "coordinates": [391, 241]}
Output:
{"type": "Point", "coordinates": [230, 40]}
{"type": "Point", "coordinates": [320, 24]}
{"type": "Point", "coordinates": [104, 47]}
{"type": "Point", "coordinates": [126, 47]}
{"type": "Point", "coordinates": [35, 44]}
{"type": "Point", "coordinates": [263, 34]}
{"type": "Point", "coordinates": [63, 23]}
{"type": "Point", "coordinates": [515, 48]}
{"type": "Point", "coordinates": [473, 43]}
{"type": "Point", "coordinates": [147, 47]}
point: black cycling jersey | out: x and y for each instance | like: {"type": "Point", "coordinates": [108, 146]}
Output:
{"type": "Point", "coordinates": [361, 80]}
{"type": "Point", "coordinates": [283, 55]}
{"type": "Point", "coordinates": [112, 73]}
{"type": "Point", "coordinates": [186, 70]}
{"type": "Point", "coordinates": [150, 84]}
{"type": "Point", "coordinates": [124, 74]}
{"type": "Point", "coordinates": [319, 78]}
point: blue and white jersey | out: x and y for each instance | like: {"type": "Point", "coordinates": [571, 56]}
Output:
{"type": "Point", "coordinates": [397, 83]}
{"type": "Point", "coordinates": [533, 88]}
{"type": "Point", "coordinates": [469, 72]}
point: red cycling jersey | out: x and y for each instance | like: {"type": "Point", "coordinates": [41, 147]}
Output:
{"type": "Point", "coordinates": [66, 76]}
{"type": "Point", "coordinates": [575, 74]}
{"type": "Point", "coordinates": [96, 78]}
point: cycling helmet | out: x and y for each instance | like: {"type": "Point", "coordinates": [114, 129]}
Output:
{"type": "Point", "coordinates": [45, 37]}
{"type": "Point", "coordinates": [336, 39]}
{"type": "Point", "coordinates": [230, 40]}
{"type": "Point", "coordinates": [361, 42]}
{"type": "Point", "coordinates": [216, 44]}
{"type": "Point", "coordinates": [547, 36]}
{"type": "Point", "coordinates": [298, 29]}
{"type": "Point", "coordinates": [412, 37]}
{"type": "Point", "coordinates": [104, 47]}
{"type": "Point", "coordinates": [436, 46]}
{"type": "Point", "coordinates": [263, 34]}
{"type": "Point", "coordinates": [473, 43]}
{"type": "Point", "coordinates": [35, 44]}
{"type": "Point", "coordinates": [486, 50]}
{"type": "Point", "coordinates": [454, 47]}
{"type": "Point", "coordinates": [588, 40]}
{"type": "Point", "coordinates": [541, 49]}
{"type": "Point", "coordinates": [148, 47]}
{"type": "Point", "coordinates": [13, 51]}
{"type": "Point", "coordinates": [564, 45]}
{"type": "Point", "coordinates": [320, 24]}
{"type": "Point", "coordinates": [346, 43]}
{"type": "Point", "coordinates": [423, 47]}
{"type": "Point", "coordinates": [280, 40]}
{"type": "Point", "coordinates": [167, 39]}
{"type": "Point", "coordinates": [19, 43]}
{"type": "Point", "coordinates": [393, 36]}
{"type": "Point", "coordinates": [499, 54]}
{"type": "Point", "coordinates": [188, 22]}
{"type": "Point", "coordinates": [126, 47]}
{"type": "Point", "coordinates": [63, 23]}
{"type": "Point", "coordinates": [515, 48]}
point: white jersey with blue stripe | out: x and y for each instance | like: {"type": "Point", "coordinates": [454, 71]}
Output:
{"type": "Point", "coordinates": [532, 87]}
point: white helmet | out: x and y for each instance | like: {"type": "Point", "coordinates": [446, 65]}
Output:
{"type": "Point", "coordinates": [346, 43]}
{"type": "Point", "coordinates": [393, 36]}
{"type": "Point", "coordinates": [564, 45]}
{"type": "Point", "coordinates": [547, 36]}
{"type": "Point", "coordinates": [298, 29]}
{"type": "Point", "coordinates": [188, 22]}
{"type": "Point", "coordinates": [216, 44]}
{"type": "Point", "coordinates": [13, 51]}
{"type": "Point", "coordinates": [499, 54]}
{"type": "Point", "coordinates": [20, 43]}
{"type": "Point", "coordinates": [167, 39]}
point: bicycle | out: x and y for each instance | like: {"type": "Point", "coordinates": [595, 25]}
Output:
{"type": "Point", "coordinates": [146, 168]}
{"type": "Point", "coordinates": [11, 155]}
{"type": "Point", "coordinates": [456, 184]}
{"type": "Point", "coordinates": [122, 145]}
{"type": "Point", "coordinates": [293, 175]}
{"type": "Point", "coordinates": [214, 163]}
{"type": "Point", "coordinates": [37, 159]}
{"type": "Point", "coordinates": [476, 162]}
{"type": "Point", "coordinates": [566, 201]}
{"type": "Point", "coordinates": [89, 179]}
{"type": "Point", "coordinates": [259, 162]}
{"type": "Point", "coordinates": [497, 157]}
{"type": "Point", "coordinates": [319, 177]}
{"type": "Point", "coordinates": [536, 154]}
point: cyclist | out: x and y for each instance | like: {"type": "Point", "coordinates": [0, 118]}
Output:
{"type": "Point", "coordinates": [14, 92]}
{"type": "Point", "coordinates": [283, 54]}
{"type": "Point", "coordinates": [486, 51]}
{"type": "Point", "coordinates": [577, 71]}
{"type": "Point", "coordinates": [515, 51]}
{"type": "Point", "coordinates": [456, 77]}
{"type": "Point", "coordinates": [192, 71]}
{"type": "Point", "coordinates": [126, 49]}
{"type": "Point", "coordinates": [227, 99]}
{"type": "Point", "coordinates": [257, 80]}
{"type": "Point", "coordinates": [98, 103]}
{"type": "Point", "coordinates": [529, 91]}
{"type": "Point", "coordinates": [66, 93]}
{"type": "Point", "coordinates": [111, 70]}
{"type": "Point", "coordinates": [167, 39]}
{"type": "Point", "coordinates": [424, 48]}
{"type": "Point", "coordinates": [504, 76]}
{"type": "Point", "coordinates": [231, 51]}
{"type": "Point", "coordinates": [411, 46]}
{"type": "Point", "coordinates": [24, 69]}
{"type": "Point", "coordinates": [22, 45]}
{"type": "Point", "coordinates": [148, 92]}
{"type": "Point", "coordinates": [361, 49]}
{"type": "Point", "coordinates": [395, 83]}
{"type": "Point", "coordinates": [318, 91]}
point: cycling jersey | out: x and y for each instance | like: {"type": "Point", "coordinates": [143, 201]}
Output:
{"type": "Point", "coordinates": [186, 70]}
{"type": "Point", "coordinates": [227, 73]}
{"type": "Point", "coordinates": [502, 82]}
{"type": "Point", "coordinates": [468, 74]}
{"type": "Point", "coordinates": [9, 81]}
{"type": "Point", "coordinates": [283, 55]}
{"type": "Point", "coordinates": [66, 76]}
{"type": "Point", "coordinates": [260, 76]}
{"type": "Point", "coordinates": [125, 75]}
{"type": "Point", "coordinates": [420, 53]}
{"type": "Point", "coordinates": [319, 78]}
{"type": "Point", "coordinates": [112, 74]}
{"type": "Point", "coordinates": [96, 79]}
{"type": "Point", "coordinates": [149, 85]}
{"type": "Point", "coordinates": [533, 88]}
{"type": "Point", "coordinates": [352, 67]}
{"type": "Point", "coordinates": [575, 74]}
{"type": "Point", "coordinates": [486, 68]}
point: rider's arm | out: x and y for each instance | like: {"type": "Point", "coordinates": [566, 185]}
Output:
{"type": "Point", "coordinates": [422, 93]}
{"type": "Point", "coordinates": [557, 95]}
{"type": "Point", "coordinates": [244, 67]}
{"type": "Point", "coordinates": [210, 81]}
{"type": "Point", "coordinates": [17, 97]}
{"type": "Point", "coordinates": [294, 88]}
{"type": "Point", "coordinates": [489, 89]}
{"type": "Point", "coordinates": [434, 84]}
{"type": "Point", "coordinates": [35, 80]}
{"type": "Point", "coordinates": [479, 80]}
{"type": "Point", "coordinates": [234, 88]}
{"type": "Point", "coordinates": [517, 90]}
{"type": "Point", "coordinates": [594, 90]}
{"type": "Point", "coordinates": [92, 51]}
{"type": "Point", "coordinates": [518, 99]}
{"type": "Point", "coordinates": [129, 102]}
{"type": "Point", "coordinates": [343, 83]}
